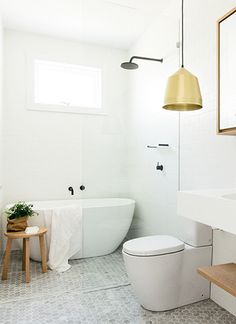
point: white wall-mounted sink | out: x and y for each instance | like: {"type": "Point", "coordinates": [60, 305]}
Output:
{"type": "Point", "coordinates": [216, 208]}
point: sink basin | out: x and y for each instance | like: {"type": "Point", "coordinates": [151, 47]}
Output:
{"type": "Point", "coordinates": [215, 208]}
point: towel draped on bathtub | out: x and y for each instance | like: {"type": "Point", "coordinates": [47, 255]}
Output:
{"type": "Point", "coordinates": [65, 232]}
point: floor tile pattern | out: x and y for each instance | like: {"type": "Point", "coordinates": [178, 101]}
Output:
{"type": "Point", "coordinates": [93, 291]}
{"type": "Point", "coordinates": [85, 275]}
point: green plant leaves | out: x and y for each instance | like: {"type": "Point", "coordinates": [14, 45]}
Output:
{"type": "Point", "coordinates": [20, 209]}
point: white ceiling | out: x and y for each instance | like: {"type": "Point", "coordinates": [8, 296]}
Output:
{"type": "Point", "coordinates": [116, 23]}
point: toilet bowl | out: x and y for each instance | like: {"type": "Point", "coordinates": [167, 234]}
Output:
{"type": "Point", "coordinates": [163, 271]}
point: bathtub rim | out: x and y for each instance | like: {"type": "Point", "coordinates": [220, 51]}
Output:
{"type": "Point", "coordinates": [118, 202]}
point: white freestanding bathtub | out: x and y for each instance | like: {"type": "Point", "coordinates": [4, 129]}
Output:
{"type": "Point", "coordinates": [105, 224]}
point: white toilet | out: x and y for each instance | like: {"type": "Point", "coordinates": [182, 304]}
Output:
{"type": "Point", "coordinates": [163, 270]}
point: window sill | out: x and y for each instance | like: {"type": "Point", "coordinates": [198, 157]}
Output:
{"type": "Point", "coordinates": [68, 110]}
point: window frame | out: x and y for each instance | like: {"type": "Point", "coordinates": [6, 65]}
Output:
{"type": "Point", "coordinates": [32, 105]}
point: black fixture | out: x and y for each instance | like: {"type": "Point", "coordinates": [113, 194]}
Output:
{"type": "Point", "coordinates": [82, 187]}
{"type": "Point", "coordinates": [155, 146]}
{"type": "Point", "coordinates": [159, 166]}
{"type": "Point", "coordinates": [132, 66]}
{"type": "Point", "coordinates": [71, 190]}
{"type": "Point", "coordinates": [152, 146]}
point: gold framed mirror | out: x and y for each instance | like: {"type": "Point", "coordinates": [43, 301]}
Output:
{"type": "Point", "coordinates": [226, 73]}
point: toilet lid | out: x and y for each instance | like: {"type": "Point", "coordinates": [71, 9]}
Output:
{"type": "Point", "coordinates": [153, 245]}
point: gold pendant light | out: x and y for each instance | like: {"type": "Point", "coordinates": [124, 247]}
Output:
{"type": "Point", "coordinates": [182, 91]}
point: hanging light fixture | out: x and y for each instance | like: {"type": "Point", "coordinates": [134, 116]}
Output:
{"type": "Point", "coordinates": [182, 91]}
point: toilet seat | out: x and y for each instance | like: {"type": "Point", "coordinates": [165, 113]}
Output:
{"type": "Point", "coordinates": [153, 245]}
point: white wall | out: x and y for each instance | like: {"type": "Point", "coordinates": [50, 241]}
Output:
{"type": "Point", "coordinates": [148, 124]}
{"type": "Point", "coordinates": [45, 152]}
{"type": "Point", "coordinates": [207, 160]}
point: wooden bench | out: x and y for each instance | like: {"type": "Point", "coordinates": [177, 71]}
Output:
{"type": "Point", "coordinates": [26, 251]}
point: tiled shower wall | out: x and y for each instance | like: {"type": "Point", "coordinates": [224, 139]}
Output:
{"type": "Point", "coordinates": [148, 124]}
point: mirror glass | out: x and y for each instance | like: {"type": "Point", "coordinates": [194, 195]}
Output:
{"type": "Point", "coordinates": [227, 72]}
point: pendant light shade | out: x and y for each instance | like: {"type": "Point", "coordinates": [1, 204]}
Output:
{"type": "Point", "coordinates": [182, 91]}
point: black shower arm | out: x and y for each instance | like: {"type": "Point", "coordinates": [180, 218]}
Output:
{"type": "Point", "coordinates": [145, 58]}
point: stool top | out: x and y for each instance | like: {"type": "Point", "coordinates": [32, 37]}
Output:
{"type": "Point", "coordinates": [18, 235]}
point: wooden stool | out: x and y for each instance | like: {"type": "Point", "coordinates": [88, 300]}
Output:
{"type": "Point", "coordinates": [26, 251]}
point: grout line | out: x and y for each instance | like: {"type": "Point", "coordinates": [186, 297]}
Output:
{"type": "Point", "coordinates": [105, 288]}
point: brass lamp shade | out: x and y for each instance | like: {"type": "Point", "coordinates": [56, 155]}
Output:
{"type": "Point", "coordinates": [182, 92]}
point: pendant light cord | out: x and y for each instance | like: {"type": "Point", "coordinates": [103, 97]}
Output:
{"type": "Point", "coordinates": [182, 65]}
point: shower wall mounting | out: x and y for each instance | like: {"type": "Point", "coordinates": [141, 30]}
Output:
{"type": "Point", "coordinates": [132, 66]}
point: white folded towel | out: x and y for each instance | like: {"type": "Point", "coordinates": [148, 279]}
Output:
{"type": "Point", "coordinates": [31, 230]}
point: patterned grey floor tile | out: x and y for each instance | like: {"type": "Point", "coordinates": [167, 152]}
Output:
{"type": "Point", "coordinates": [94, 291]}
{"type": "Point", "coordinates": [84, 275]}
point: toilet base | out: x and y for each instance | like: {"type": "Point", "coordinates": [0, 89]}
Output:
{"type": "Point", "coordinates": [169, 281]}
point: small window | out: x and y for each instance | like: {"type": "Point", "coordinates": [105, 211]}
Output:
{"type": "Point", "coordinates": [66, 87]}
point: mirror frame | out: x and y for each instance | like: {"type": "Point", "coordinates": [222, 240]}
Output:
{"type": "Point", "coordinates": [231, 130]}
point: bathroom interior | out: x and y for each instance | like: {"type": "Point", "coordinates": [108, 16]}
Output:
{"type": "Point", "coordinates": [118, 124]}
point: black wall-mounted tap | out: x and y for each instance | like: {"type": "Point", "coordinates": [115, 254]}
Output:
{"type": "Point", "coordinates": [71, 190]}
{"type": "Point", "coordinates": [159, 166]}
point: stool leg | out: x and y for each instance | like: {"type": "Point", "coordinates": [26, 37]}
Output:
{"type": "Point", "coordinates": [23, 256]}
{"type": "Point", "coordinates": [6, 259]}
{"type": "Point", "coordinates": [27, 260]}
{"type": "Point", "coordinates": [43, 253]}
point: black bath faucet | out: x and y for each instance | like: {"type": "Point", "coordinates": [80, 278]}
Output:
{"type": "Point", "coordinates": [71, 190]}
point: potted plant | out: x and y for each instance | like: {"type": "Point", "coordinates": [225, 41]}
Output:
{"type": "Point", "coordinates": [17, 216]}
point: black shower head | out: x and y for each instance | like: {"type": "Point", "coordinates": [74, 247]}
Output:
{"type": "Point", "coordinates": [129, 65]}
{"type": "Point", "coordinates": [133, 66]}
